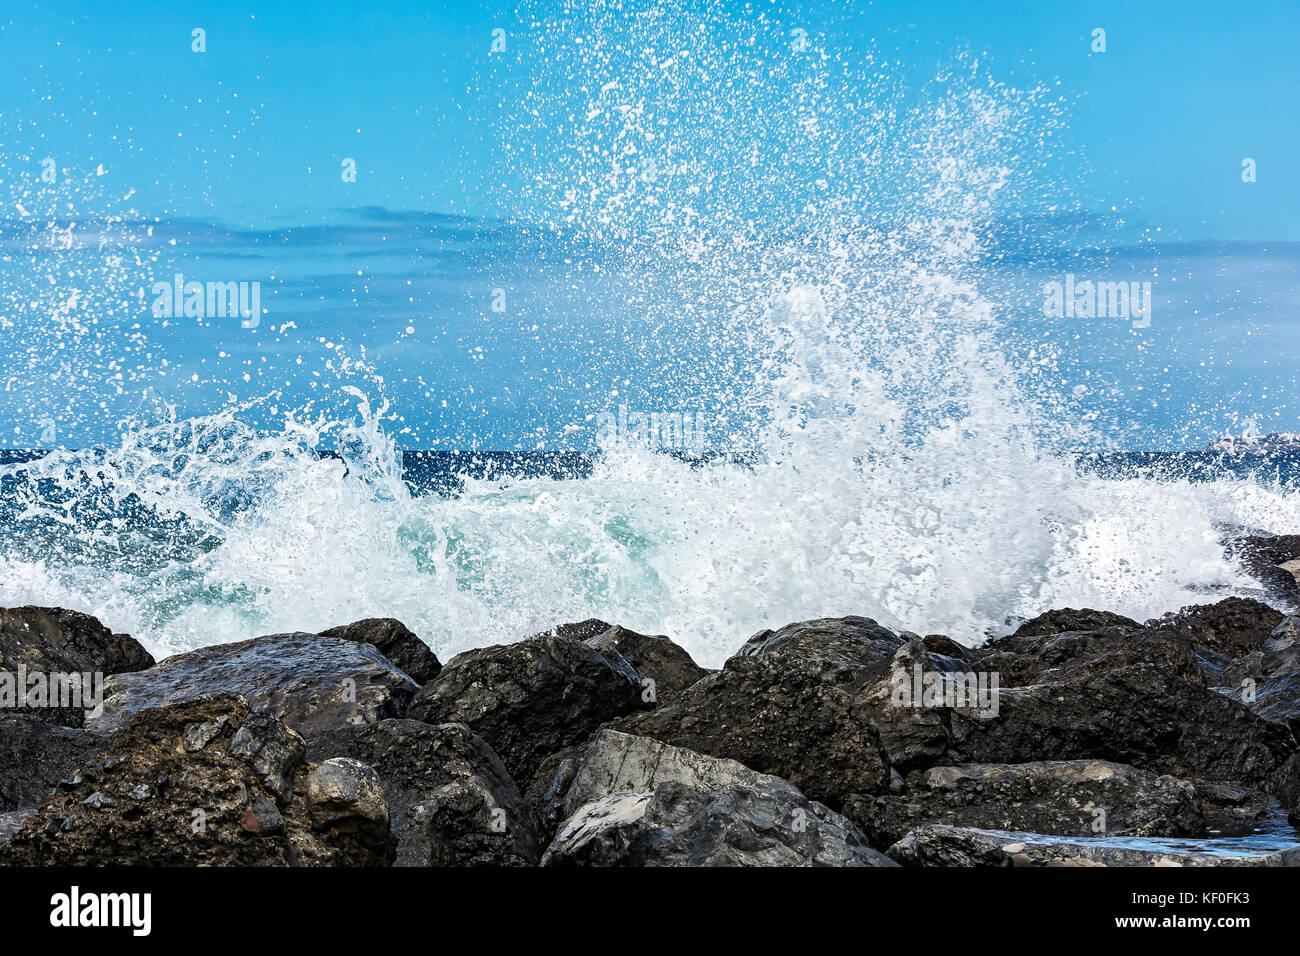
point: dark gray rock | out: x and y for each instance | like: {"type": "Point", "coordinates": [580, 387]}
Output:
{"type": "Point", "coordinates": [396, 642]}
{"type": "Point", "coordinates": [640, 802]}
{"type": "Point", "coordinates": [1068, 798]}
{"type": "Point", "coordinates": [1267, 679]}
{"type": "Point", "coordinates": [55, 639]}
{"type": "Point", "coordinates": [35, 755]}
{"type": "Point", "coordinates": [452, 803]}
{"type": "Point", "coordinates": [857, 641]}
{"type": "Point", "coordinates": [780, 713]}
{"type": "Point", "coordinates": [162, 795]}
{"type": "Point", "coordinates": [311, 683]}
{"type": "Point", "coordinates": [272, 749]}
{"type": "Point", "coordinates": [1272, 560]}
{"type": "Point", "coordinates": [1231, 628]}
{"type": "Point", "coordinates": [54, 646]}
{"type": "Point", "coordinates": [667, 668]}
{"type": "Point", "coordinates": [531, 699]}
{"type": "Point", "coordinates": [1066, 619]}
{"type": "Point", "coordinates": [1141, 714]}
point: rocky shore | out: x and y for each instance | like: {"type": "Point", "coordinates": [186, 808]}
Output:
{"type": "Point", "coordinates": [1083, 738]}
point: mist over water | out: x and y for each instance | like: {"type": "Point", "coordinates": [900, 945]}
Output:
{"type": "Point", "coordinates": [797, 245]}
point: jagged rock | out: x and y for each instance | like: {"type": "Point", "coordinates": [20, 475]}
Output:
{"type": "Point", "coordinates": [396, 642]}
{"type": "Point", "coordinates": [1231, 628]}
{"type": "Point", "coordinates": [1267, 680]}
{"type": "Point", "coordinates": [1140, 714]}
{"type": "Point", "coordinates": [1065, 619]}
{"type": "Point", "coordinates": [780, 713]}
{"type": "Point", "coordinates": [272, 749]}
{"type": "Point", "coordinates": [942, 845]}
{"type": "Point", "coordinates": [580, 631]}
{"type": "Point", "coordinates": [54, 644]}
{"type": "Point", "coordinates": [640, 802]}
{"type": "Point", "coordinates": [858, 641]}
{"type": "Point", "coordinates": [529, 700]}
{"type": "Point", "coordinates": [310, 682]}
{"type": "Point", "coordinates": [55, 639]}
{"type": "Point", "coordinates": [1068, 798]}
{"type": "Point", "coordinates": [451, 801]}
{"type": "Point", "coordinates": [343, 795]}
{"type": "Point", "coordinates": [151, 800]}
{"type": "Point", "coordinates": [35, 755]}
{"type": "Point", "coordinates": [1272, 561]}
{"type": "Point", "coordinates": [1286, 785]}
{"type": "Point", "coordinates": [1021, 660]}
{"type": "Point", "coordinates": [656, 659]}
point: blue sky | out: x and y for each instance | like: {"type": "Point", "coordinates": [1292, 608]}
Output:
{"type": "Point", "coordinates": [246, 140]}
{"type": "Point", "coordinates": [253, 130]}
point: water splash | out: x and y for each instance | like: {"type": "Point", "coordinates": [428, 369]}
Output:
{"type": "Point", "coordinates": [809, 229]}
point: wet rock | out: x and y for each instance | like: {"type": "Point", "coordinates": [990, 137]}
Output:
{"type": "Point", "coordinates": [272, 750]}
{"type": "Point", "coordinates": [668, 667]}
{"type": "Point", "coordinates": [451, 801]}
{"type": "Point", "coordinates": [35, 755]}
{"type": "Point", "coordinates": [529, 700]}
{"type": "Point", "coordinates": [1272, 560]}
{"type": "Point", "coordinates": [942, 845]}
{"type": "Point", "coordinates": [1141, 714]}
{"type": "Point", "coordinates": [1068, 798]}
{"type": "Point", "coordinates": [396, 642]}
{"type": "Point", "coordinates": [784, 714]}
{"type": "Point", "coordinates": [311, 683]}
{"type": "Point", "coordinates": [54, 646]}
{"type": "Point", "coordinates": [1062, 620]}
{"type": "Point", "coordinates": [640, 802]}
{"type": "Point", "coordinates": [151, 801]}
{"type": "Point", "coordinates": [580, 631]}
{"type": "Point", "coordinates": [56, 639]}
{"type": "Point", "coordinates": [1021, 660]}
{"type": "Point", "coordinates": [345, 793]}
{"type": "Point", "coordinates": [1231, 628]}
{"type": "Point", "coordinates": [1267, 680]}
{"type": "Point", "coordinates": [857, 641]}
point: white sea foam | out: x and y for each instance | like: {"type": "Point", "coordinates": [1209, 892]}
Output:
{"type": "Point", "coordinates": [818, 242]}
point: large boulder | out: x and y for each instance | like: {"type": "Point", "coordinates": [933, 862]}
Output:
{"type": "Point", "coordinates": [186, 784]}
{"type": "Point", "coordinates": [780, 713]}
{"type": "Point", "coordinates": [396, 642]}
{"type": "Point", "coordinates": [42, 648]}
{"type": "Point", "coordinates": [943, 845]}
{"type": "Point", "coordinates": [1141, 714]}
{"type": "Point", "coordinates": [1066, 619]}
{"type": "Point", "coordinates": [665, 668]}
{"type": "Point", "coordinates": [858, 641]}
{"type": "Point", "coordinates": [1230, 628]}
{"type": "Point", "coordinates": [1068, 798]}
{"type": "Point", "coordinates": [640, 802]}
{"type": "Point", "coordinates": [55, 639]}
{"type": "Point", "coordinates": [531, 699]}
{"type": "Point", "coordinates": [1021, 660]}
{"type": "Point", "coordinates": [310, 682]}
{"type": "Point", "coordinates": [451, 800]}
{"type": "Point", "coordinates": [35, 755]}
